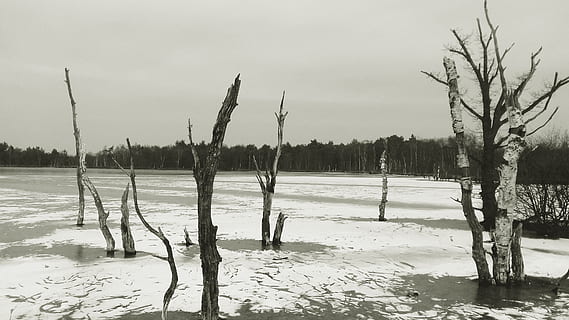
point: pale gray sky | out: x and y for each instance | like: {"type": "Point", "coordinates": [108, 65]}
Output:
{"type": "Point", "coordinates": [350, 68]}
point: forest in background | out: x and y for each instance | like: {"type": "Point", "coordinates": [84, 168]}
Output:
{"type": "Point", "coordinates": [544, 162]}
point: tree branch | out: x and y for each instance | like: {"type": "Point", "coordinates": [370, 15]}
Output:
{"type": "Point", "coordinates": [527, 78]}
{"type": "Point", "coordinates": [194, 149]}
{"type": "Point", "coordinates": [545, 123]}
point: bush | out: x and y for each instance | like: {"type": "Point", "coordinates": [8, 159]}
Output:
{"type": "Point", "coordinates": [546, 208]}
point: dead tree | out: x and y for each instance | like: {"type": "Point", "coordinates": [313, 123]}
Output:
{"type": "Point", "coordinates": [383, 168]}
{"type": "Point", "coordinates": [77, 135]}
{"type": "Point", "coordinates": [491, 109]}
{"type": "Point", "coordinates": [478, 252]}
{"type": "Point", "coordinates": [508, 170]}
{"type": "Point", "coordinates": [268, 185]}
{"type": "Point", "coordinates": [126, 234]}
{"type": "Point", "coordinates": [158, 233]}
{"type": "Point", "coordinates": [204, 174]}
{"type": "Point", "coordinates": [81, 172]}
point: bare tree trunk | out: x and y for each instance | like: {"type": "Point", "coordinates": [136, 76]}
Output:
{"type": "Point", "coordinates": [77, 135]}
{"type": "Point", "coordinates": [204, 174]}
{"type": "Point", "coordinates": [478, 253]}
{"type": "Point", "coordinates": [268, 185]}
{"type": "Point", "coordinates": [126, 234]}
{"type": "Point", "coordinates": [382, 165]}
{"type": "Point", "coordinates": [158, 233]}
{"type": "Point", "coordinates": [518, 274]}
{"type": "Point", "coordinates": [506, 198]}
{"type": "Point", "coordinates": [279, 226]}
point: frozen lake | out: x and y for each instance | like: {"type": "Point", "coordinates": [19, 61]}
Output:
{"type": "Point", "coordinates": [336, 262]}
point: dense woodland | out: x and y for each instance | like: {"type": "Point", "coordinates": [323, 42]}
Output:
{"type": "Point", "coordinates": [543, 163]}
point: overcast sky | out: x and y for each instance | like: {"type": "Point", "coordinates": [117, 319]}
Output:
{"type": "Point", "coordinates": [351, 69]}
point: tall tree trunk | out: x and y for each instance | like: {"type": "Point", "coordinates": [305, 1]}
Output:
{"type": "Point", "coordinates": [506, 199]}
{"type": "Point", "coordinates": [78, 146]}
{"type": "Point", "coordinates": [81, 172]}
{"type": "Point", "coordinates": [126, 234]}
{"type": "Point", "coordinates": [478, 253]}
{"type": "Point", "coordinates": [204, 174]}
{"type": "Point", "coordinates": [383, 168]}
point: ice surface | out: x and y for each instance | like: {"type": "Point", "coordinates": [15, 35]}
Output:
{"type": "Point", "coordinates": [336, 259]}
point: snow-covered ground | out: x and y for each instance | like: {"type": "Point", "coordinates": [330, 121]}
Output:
{"type": "Point", "coordinates": [336, 259]}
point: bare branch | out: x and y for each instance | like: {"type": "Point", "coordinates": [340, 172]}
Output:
{"type": "Point", "coordinates": [527, 78]}
{"type": "Point", "coordinates": [469, 109]}
{"type": "Point", "coordinates": [466, 54]}
{"type": "Point", "coordinates": [545, 123]}
{"type": "Point", "coordinates": [554, 87]}
{"type": "Point", "coordinates": [258, 175]}
{"type": "Point", "coordinates": [194, 149]}
{"type": "Point", "coordinates": [280, 126]}
{"type": "Point", "coordinates": [434, 77]}
{"type": "Point", "coordinates": [499, 57]}
{"type": "Point", "coordinates": [464, 104]}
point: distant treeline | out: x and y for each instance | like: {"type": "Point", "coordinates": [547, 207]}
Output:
{"type": "Point", "coordinates": [545, 162]}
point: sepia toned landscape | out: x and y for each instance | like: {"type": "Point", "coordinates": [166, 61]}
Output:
{"type": "Point", "coordinates": [372, 160]}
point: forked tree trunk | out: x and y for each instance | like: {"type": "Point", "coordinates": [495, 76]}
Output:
{"type": "Point", "coordinates": [77, 135]}
{"type": "Point", "coordinates": [478, 253]}
{"type": "Point", "coordinates": [158, 233]}
{"type": "Point", "coordinates": [204, 174]}
{"type": "Point", "coordinates": [279, 226]}
{"type": "Point", "coordinates": [383, 168]}
{"type": "Point", "coordinates": [268, 185]}
{"type": "Point", "coordinates": [126, 234]}
{"type": "Point", "coordinates": [81, 172]}
{"type": "Point", "coordinates": [506, 197]}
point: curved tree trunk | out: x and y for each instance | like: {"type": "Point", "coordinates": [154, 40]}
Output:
{"type": "Point", "coordinates": [204, 174]}
{"type": "Point", "coordinates": [478, 252]}
{"type": "Point", "coordinates": [77, 135]}
{"type": "Point", "coordinates": [158, 233]}
{"type": "Point", "coordinates": [103, 215]}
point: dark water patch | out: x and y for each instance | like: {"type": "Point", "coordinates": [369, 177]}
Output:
{"type": "Point", "coordinates": [74, 252]}
{"type": "Point", "coordinates": [255, 245]}
{"type": "Point", "coordinates": [435, 223]}
{"type": "Point", "coordinates": [189, 252]}
{"type": "Point", "coordinates": [13, 232]}
{"type": "Point", "coordinates": [447, 292]}
{"type": "Point", "coordinates": [557, 252]}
